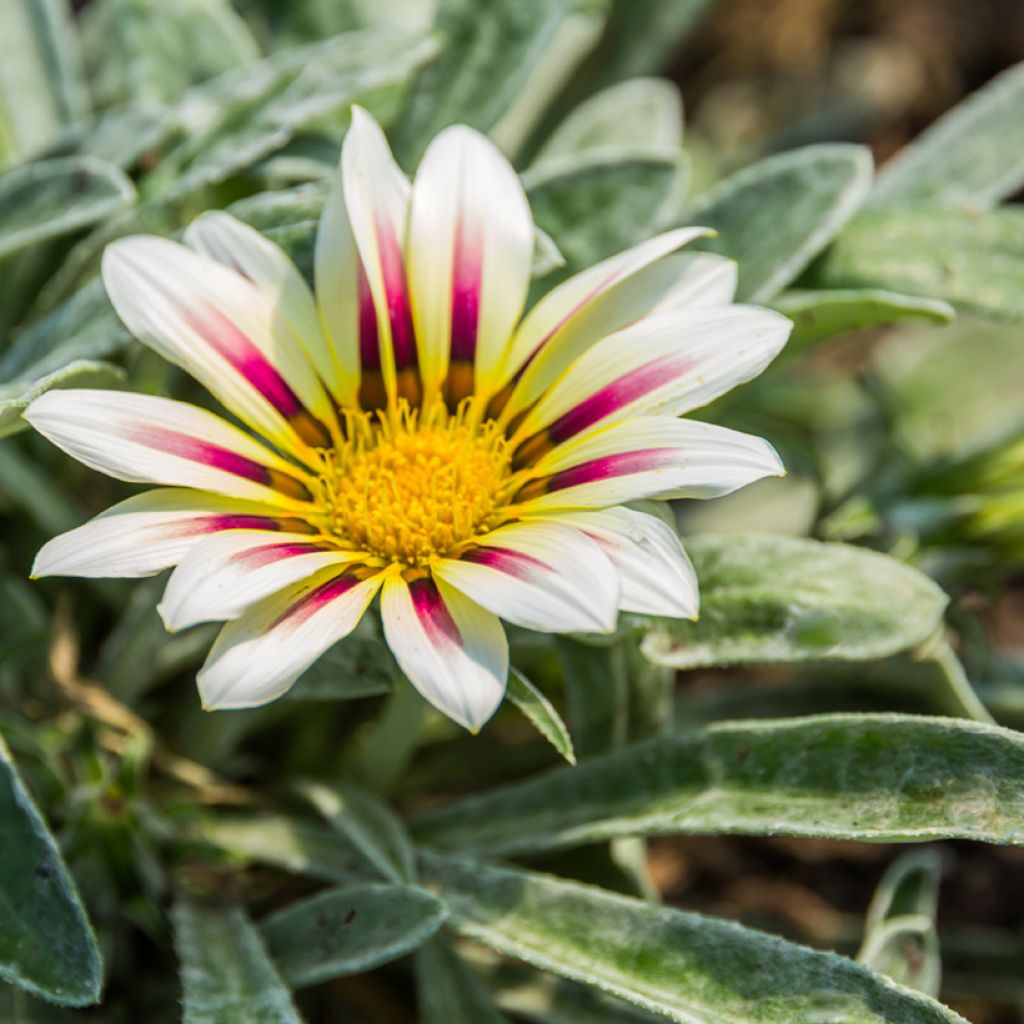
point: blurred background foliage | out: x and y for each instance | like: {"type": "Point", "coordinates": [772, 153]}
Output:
{"type": "Point", "coordinates": [896, 407]}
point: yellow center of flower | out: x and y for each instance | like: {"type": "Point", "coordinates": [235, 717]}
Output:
{"type": "Point", "coordinates": [408, 487]}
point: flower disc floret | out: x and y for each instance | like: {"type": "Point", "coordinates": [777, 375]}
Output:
{"type": "Point", "coordinates": [409, 488]}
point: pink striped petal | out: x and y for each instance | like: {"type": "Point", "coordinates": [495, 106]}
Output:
{"type": "Point", "coordinates": [376, 196]}
{"type": "Point", "coordinates": [227, 240]}
{"type": "Point", "coordinates": [149, 532]}
{"type": "Point", "coordinates": [647, 457]}
{"type": "Point", "coordinates": [539, 575]}
{"type": "Point", "coordinates": [452, 650]}
{"type": "Point", "coordinates": [657, 578]}
{"type": "Point", "coordinates": [227, 573]}
{"type": "Point", "coordinates": [222, 328]}
{"type": "Point", "coordinates": [469, 253]}
{"type": "Point", "coordinates": [587, 307]}
{"type": "Point", "coordinates": [144, 439]}
{"type": "Point", "coordinates": [258, 656]}
{"type": "Point", "coordinates": [670, 363]}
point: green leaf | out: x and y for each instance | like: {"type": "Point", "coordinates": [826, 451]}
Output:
{"type": "Point", "coordinates": [898, 778]}
{"type": "Point", "coordinates": [301, 847]}
{"type": "Point", "coordinates": [769, 598]}
{"type": "Point", "coordinates": [598, 205]}
{"type": "Point", "coordinates": [46, 943]}
{"type": "Point", "coordinates": [682, 965]}
{"type": "Point", "coordinates": [973, 154]}
{"type": "Point", "coordinates": [18, 394]}
{"type": "Point", "coordinates": [18, 1007]}
{"type": "Point", "coordinates": [369, 825]}
{"type": "Point", "coordinates": [357, 667]}
{"type": "Point", "coordinates": [817, 315]}
{"type": "Point", "coordinates": [350, 930]}
{"type": "Point", "coordinates": [40, 76]}
{"type": "Point", "coordinates": [900, 938]}
{"type": "Point", "coordinates": [973, 260]}
{"type": "Point", "coordinates": [776, 215]}
{"type": "Point", "coordinates": [148, 52]}
{"type": "Point", "coordinates": [51, 198]}
{"type": "Point", "coordinates": [597, 689]}
{"type": "Point", "coordinates": [447, 991]}
{"type": "Point", "coordinates": [495, 56]}
{"type": "Point", "coordinates": [226, 975]}
{"type": "Point", "coordinates": [541, 712]}
{"type": "Point", "coordinates": [644, 114]}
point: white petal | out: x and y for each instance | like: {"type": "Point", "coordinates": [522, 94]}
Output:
{"type": "Point", "coordinates": [657, 576]}
{"type": "Point", "coordinates": [377, 200]}
{"type": "Point", "coordinates": [148, 532]}
{"type": "Point", "coordinates": [469, 252]}
{"type": "Point", "coordinates": [540, 575]}
{"type": "Point", "coordinates": [705, 279]}
{"type": "Point", "coordinates": [221, 328]}
{"type": "Point", "coordinates": [452, 650]}
{"type": "Point", "coordinates": [670, 364]}
{"type": "Point", "coordinates": [227, 573]}
{"type": "Point", "coordinates": [587, 307]}
{"type": "Point", "coordinates": [144, 439]}
{"type": "Point", "coordinates": [647, 457]}
{"type": "Point", "coordinates": [227, 240]}
{"type": "Point", "coordinates": [257, 657]}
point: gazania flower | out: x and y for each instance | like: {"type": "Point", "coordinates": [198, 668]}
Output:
{"type": "Point", "coordinates": [409, 432]}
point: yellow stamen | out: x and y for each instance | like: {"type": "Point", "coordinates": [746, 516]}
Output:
{"type": "Point", "coordinates": [409, 486]}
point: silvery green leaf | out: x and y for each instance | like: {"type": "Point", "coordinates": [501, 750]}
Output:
{"type": "Point", "coordinates": [684, 966]}
{"type": "Point", "coordinates": [369, 825]}
{"type": "Point", "coordinates": [41, 87]}
{"type": "Point", "coordinates": [46, 943]}
{"type": "Point", "coordinates": [874, 777]}
{"type": "Point", "coordinates": [974, 154]}
{"type": "Point", "coordinates": [770, 598]}
{"type": "Point", "coordinates": [817, 315]}
{"type": "Point", "coordinates": [51, 198]}
{"type": "Point", "coordinates": [541, 712]}
{"type": "Point", "coordinates": [447, 991]}
{"type": "Point", "coordinates": [495, 57]}
{"type": "Point", "coordinates": [641, 114]}
{"type": "Point", "coordinates": [973, 260]}
{"type": "Point", "coordinates": [18, 1007]}
{"type": "Point", "coordinates": [359, 666]}
{"type": "Point", "coordinates": [147, 52]}
{"type": "Point", "coordinates": [597, 690]}
{"type": "Point", "coordinates": [596, 205]}
{"type": "Point", "coordinates": [226, 975]}
{"type": "Point", "coordinates": [350, 930]}
{"type": "Point", "coordinates": [776, 215]}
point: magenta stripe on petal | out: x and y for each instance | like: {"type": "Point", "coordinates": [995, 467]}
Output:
{"type": "Point", "coordinates": [513, 563]}
{"type": "Point", "coordinates": [618, 393]}
{"type": "Point", "coordinates": [240, 522]}
{"type": "Point", "coordinates": [270, 553]}
{"type": "Point", "coordinates": [433, 614]}
{"type": "Point", "coordinates": [467, 276]}
{"type": "Point", "coordinates": [369, 342]}
{"type": "Point", "coordinates": [226, 339]}
{"type": "Point", "coordinates": [392, 268]}
{"type": "Point", "coordinates": [621, 464]}
{"type": "Point", "coordinates": [182, 445]}
{"type": "Point", "coordinates": [309, 604]}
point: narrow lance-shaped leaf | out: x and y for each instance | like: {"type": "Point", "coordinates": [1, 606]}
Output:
{"type": "Point", "coordinates": [775, 216]}
{"type": "Point", "coordinates": [350, 930]}
{"type": "Point", "coordinates": [369, 825]}
{"type": "Point", "coordinates": [973, 154]}
{"type": "Point", "coordinates": [878, 777]}
{"type": "Point", "coordinates": [226, 975]}
{"type": "Point", "coordinates": [45, 200]}
{"type": "Point", "coordinates": [684, 966]}
{"type": "Point", "coordinates": [46, 943]}
{"type": "Point", "coordinates": [973, 260]}
{"type": "Point", "coordinates": [771, 598]}
{"type": "Point", "coordinates": [818, 314]}
{"type": "Point", "coordinates": [598, 694]}
{"type": "Point", "coordinates": [447, 991]}
{"type": "Point", "coordinates": [541, 712]}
